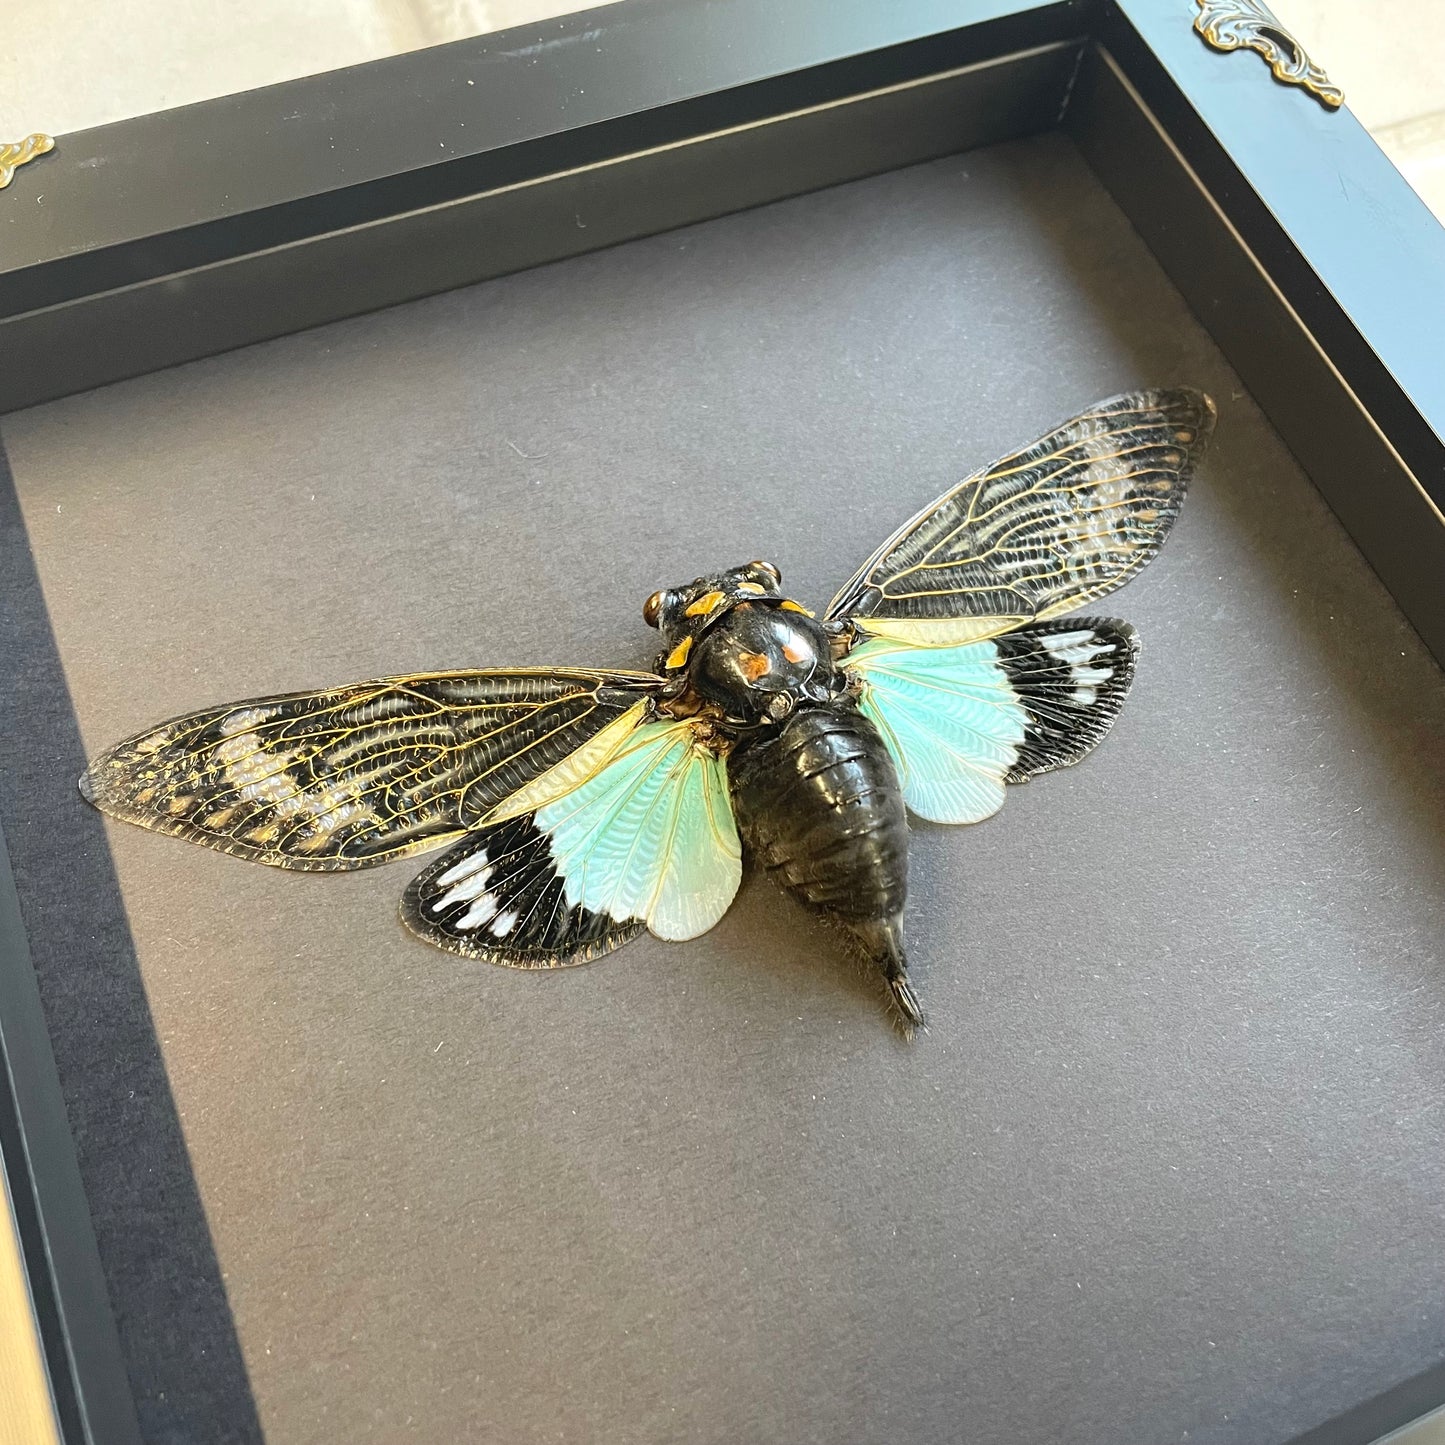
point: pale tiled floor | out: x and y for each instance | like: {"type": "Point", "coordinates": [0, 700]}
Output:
{"type": "Point", "coordinates": [68, 64]}
{"type": "Point", "coordinates": [1389, 55]}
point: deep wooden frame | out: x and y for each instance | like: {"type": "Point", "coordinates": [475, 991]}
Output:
{"type": "Point", "coordinates": [1313, 264]}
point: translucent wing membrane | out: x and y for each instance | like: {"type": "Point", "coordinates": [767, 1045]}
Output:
{"type": "Point", "coordinates": [950, 720]}
{"type": "Point", "coordinates": [962, 721]}
{"type": "Point", "coordinates": [1041, 532]}
{"type": "Point", "coordinates": [353, 776]}
{"type": "Point", "coordinates": [641, 836]}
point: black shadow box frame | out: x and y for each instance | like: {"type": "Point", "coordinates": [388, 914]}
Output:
{"type": "Point", "coordinates": [181, 234]}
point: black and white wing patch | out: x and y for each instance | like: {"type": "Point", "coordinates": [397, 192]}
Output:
{"type": "Point", "coordinates": [498, 896]}
{"type": "Point", "coordinates": [635, 830]}
{"type": "Point", "coordinates": [1072, 677]}
{"type": "Point", "coordinates": [962, 722]}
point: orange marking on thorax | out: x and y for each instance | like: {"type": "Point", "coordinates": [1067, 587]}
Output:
{"type": "Point", "coordinates": [797, 651]}
{"type": "Point", "coordinates": [754, 665]}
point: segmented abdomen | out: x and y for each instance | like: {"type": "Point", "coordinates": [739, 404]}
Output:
{"type": "Point", "coordinates": [819, 804]}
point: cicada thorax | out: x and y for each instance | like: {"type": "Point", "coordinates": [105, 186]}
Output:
{"type": "Point", "coordinates": [761, 662]}
{"type": "Point", "coordinates": [736, 647]}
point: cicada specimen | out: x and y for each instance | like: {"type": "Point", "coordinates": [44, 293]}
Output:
{"type": "Point", "coordinates": [580, 806]}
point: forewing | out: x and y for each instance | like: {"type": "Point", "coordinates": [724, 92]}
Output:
{"type": "Point", "coordinates": [1039, 533]}
{"type": "Point", "coordinates": [353, 776]}
{"type": "Point", "coordinates": [642, 837]}
{"type": "Point", "coordinates": [963, 721]}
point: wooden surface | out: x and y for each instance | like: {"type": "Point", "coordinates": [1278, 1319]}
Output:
{"type": "Point", "coordinates": [27, 1416]}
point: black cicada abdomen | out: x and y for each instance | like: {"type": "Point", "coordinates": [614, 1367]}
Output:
{"type": "Point", "coordinates": [819, 803]}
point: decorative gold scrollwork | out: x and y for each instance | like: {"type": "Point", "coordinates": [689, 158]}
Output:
{"type": "Point", "coordinates": [14, 154]}
{"type": "Point", "coordinates": [1251, 25]}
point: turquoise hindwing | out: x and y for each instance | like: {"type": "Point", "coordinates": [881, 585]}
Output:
{"type": "Point", "coordinates": [952, 722]}
{"type": "Point", "coordinates": [650, 835]}
{"type": "Point", "coordinates": [962, 721]}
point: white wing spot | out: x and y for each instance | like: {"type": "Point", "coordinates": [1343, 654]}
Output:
{"type": "Point", "coordinates": [469, 864]}
{"type": "Point", "coordinates": [504, 925]}
{"type": "Point", "coordinates": [467, 888]}
{"type": "Point", "coordinates": [262, 775]}
{"type": "Point", "coordinates": [1077, 650]}
{"type": "Point", "coordinates": [243, 719]}
{"type": "Point", "coordinates": [1111, 485]}
{"type": "Point", "coordinates": [478, 913]}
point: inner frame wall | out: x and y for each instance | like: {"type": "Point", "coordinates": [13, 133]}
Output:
{"type": "Point", "coordinates": [254, 296]}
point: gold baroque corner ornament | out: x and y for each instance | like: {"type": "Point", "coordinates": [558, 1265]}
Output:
{"type": "Point", "coordinates": [14, 154]}
{"type": "Point", "coordinates": [1251, 25]}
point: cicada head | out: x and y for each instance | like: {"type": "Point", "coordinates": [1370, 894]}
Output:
{"type": "Point", "coordinates": [742, 644]}
{"type": "Point", "coordinates": [683, 614]}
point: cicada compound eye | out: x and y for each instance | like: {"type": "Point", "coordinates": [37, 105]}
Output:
{"type": "Point", "coordinates": [768, 570]}
{"type": "Point", "coordinates": [652, 608]}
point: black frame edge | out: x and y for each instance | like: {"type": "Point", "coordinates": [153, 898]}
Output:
{"type": "Point", "coordinates": [163, 193]}
{"type": "Point", "coordinates": [159, 321]}
{"type": "Point", "coordinates": [144, 206]}
{"type": "Point", "coordinates": [1373, 452]}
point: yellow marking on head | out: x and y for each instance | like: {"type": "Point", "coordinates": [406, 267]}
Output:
{"type": "Point", "coordinates": [754, 665]}
{"type": "Point", "coordinates": [788, 605]}
{"type": "Point", "coordinates": [703, 605]}
{"type": "Point", "coordinates": [755, 587]}
{"type": "Point", "coordinates": [678, 655]}
{"type": "Point", "coordinates": [797, 651]}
